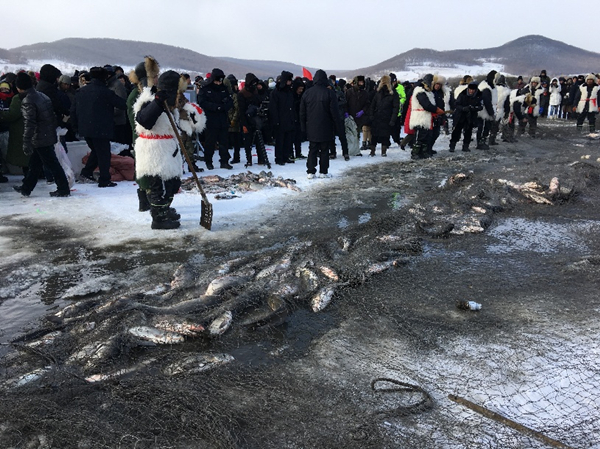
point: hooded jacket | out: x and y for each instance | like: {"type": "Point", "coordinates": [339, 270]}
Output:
{"type": "Point", "coordinates": [281, 104]}
{"type": "Point", "coordinates": [319, 111]}
{"type": "Point", "coordinates": [216, 102]}
{"type": "Point", "coordinates": [358, 100]}
{"type": "Point", "coordinates": [555, 96]}
{"type": "Point", "coordinates": [384, 109]}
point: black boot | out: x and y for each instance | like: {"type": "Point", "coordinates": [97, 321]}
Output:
{"type": "Point", "coordinates": [452, 147]}
{"type": "Point", "coordinates": [144, 204]}
{"type": "Point", "coordinates": [161, 220]}
{"type": "Point", "coordinates": [493, 140]}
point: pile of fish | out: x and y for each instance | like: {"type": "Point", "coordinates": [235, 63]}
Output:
{"type": "Point", "coordinates": [472, 206]}
{"type": "Point", "coordinates": [92, 339]}
{"type": "Point", "coordinates": [226, 188]}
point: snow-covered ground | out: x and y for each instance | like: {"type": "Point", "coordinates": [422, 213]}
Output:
{"type": "Point", "coordinates": [110, 215]}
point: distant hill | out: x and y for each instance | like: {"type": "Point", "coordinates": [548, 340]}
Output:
{"type": "Point", "coordinates": [89, 52]}
{"type": "Point", "coordinates": [524, 56]}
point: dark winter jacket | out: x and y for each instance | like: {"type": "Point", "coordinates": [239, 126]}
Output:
{"type": "Point", "coordinates": [14, 119]}
{"type": "Point", "coordinates": [466, 107]}
{"type": "Point", "coordinates": [358, 100]}
{"type": "Point", "coordinates": [319, 111]}
{"type": "Point", "coordinates": [281, 104]}
{"type": "Point", "coordinates": [51, 91]}
{"type": "Point", "coordinates": [39, 120]}
{"type": "Point", "coordinates": [113, 83]}
{"type": "Point", "coordinates": [93, 114]}
{"type": "Point", "coordinates": [216, 102]}
{"type": "Point", "coordinates": [384, 111]}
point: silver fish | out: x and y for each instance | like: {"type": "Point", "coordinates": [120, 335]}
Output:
{"type": "Point", "coordinates": [197, 364]}
{"type": "Point", "coordinates": [28, 378]}
{"type": "Point", "coordinates": [155, 335]}
{"type": "Point", "coordinates": [179, 326]}
{"type": "Point", "coordinates": [224, 282]}
{"type": "Point", "coordinates": [45, 340]}
{"type": "Point", "coordinates": [182, 277]}
{"type": "Point", "coordinates": [220, 325]}
{"type": "Point", "coordinates": [122, 372]}
{"type": "Point", "coordinates": [329, 273]}
{"type": "Point", "coordinates": [93, 351]}
{"type": "Point", "coordinates": [309, 278]}
{"type": "Point", "coordinates": [322, 299]}
{"type": "Point", "coordinates": [380, 267]}
{"type": "Point", "coordinates": [226, 267]}
{"type": "Point", "coordinates": [279, 267]}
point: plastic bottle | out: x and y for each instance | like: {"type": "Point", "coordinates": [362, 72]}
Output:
{"type": "Point", "coordinates": [469, 305]}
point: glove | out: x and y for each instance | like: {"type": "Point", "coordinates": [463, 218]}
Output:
{"type": "Point", "coordinates": [360, 113]}
{"type": "Point", "coordinates": [245, 130]}
{"type": "Point", "coordinates": [161, 96]}
{"type": "Point", "coordinates": [27, 149]}
{"type": "Point", "coordinates": [541, 110]}
{"type": "Point", "coordinates": [346, 115]}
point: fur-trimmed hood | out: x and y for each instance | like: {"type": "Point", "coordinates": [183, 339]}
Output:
{"type": "Point", "coordinates": [385, 81]}
{"type": "Point", "coordinates": [145, 72]}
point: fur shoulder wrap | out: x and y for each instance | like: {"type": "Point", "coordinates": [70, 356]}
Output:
{"type": "Point", "coordinates": [419, 117]}
{"type": "Point", "coordinates": [157, 152]}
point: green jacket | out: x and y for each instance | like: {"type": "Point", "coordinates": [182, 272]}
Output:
{"type": "Point", "coordinates": [402, 95]}
{"type": "Point", "coordinates": [16, 127]}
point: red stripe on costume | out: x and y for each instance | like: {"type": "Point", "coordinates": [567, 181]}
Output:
{"type": "Point", "coordinates": [196, 107]}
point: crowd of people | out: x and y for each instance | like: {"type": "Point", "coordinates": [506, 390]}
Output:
{"type": "Point", "coordinates": [219, 114]}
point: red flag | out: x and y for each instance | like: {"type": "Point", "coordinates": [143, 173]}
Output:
{"type": "Point", "coordinates": [306, 74]}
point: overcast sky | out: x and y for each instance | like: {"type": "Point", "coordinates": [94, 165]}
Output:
{"type": "Point", "coordinates": [325, 34]}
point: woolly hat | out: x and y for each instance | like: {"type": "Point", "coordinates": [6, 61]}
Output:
{"type": "Point", "coordinates": [535, 79]}
{"type": "Point", "coordinates": [65, 79]}
{"type": "Point", "coordinates": [49, 73]}
{"type": "Point", "coordinates": [23, 81]}
{"type": "Point", "coordinates": [169, 81]}
{"type": "Point", "coordinates": [591, 77]}
{"type": "Point", "coordinates": [217, 75]}
{"type": "Point", "coordinates": [393, 77]}
{"type": "Point", "coordinates": [98, 73]}
{"type": "Point", "coordinates": [4, 85]}
{"type": "Point", "coordinates": [428, 80]}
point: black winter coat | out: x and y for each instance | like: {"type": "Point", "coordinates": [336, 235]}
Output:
{"type": "Point", "coordinates": [51, 91]}
{"type": "Point", "coordinates": [319, 111]}
{"type": "Point", "coordinates": [216, 102]}
{"type": "Point", "coordinates": [384, 112]}
{"type": "Point", "coordinates": [246, 99]}
{"type": "Point", "coordinates": [39, 121]}
{"type": "Point", "coordinates": [93, 114]}
{"type": "Point", "coordinates": [358, 100]}
{"type": "Point", "coordinates": [466, 108]}
{"type": "Point", "coordinates": [281, 105]}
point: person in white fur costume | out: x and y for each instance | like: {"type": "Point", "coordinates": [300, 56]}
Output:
{"type": "Point", "coordinates": [159, 163]}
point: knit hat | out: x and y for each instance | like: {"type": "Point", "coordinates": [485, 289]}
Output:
{"type": "Point", "coordinates": [65, 79]}
{"type": "Point", "coordinates": [49, 73]}
{"type": "Point", "coordinates": [23, 81]}
{"type": "Point", "coordinates": [169, 81]}
{"type": "Point", "coordinates": [98, 73]}
{"type": "Point", "coordinates": [4, 85]}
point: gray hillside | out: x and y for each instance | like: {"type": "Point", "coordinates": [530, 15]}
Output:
{"type": "Point", "coordinates": [524, 56]}
{"type": "Point", "coordinates": [95, 51]}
